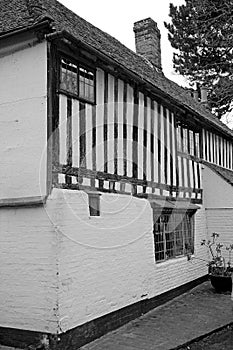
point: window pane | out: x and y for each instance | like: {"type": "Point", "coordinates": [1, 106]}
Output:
{"type": "Point", "coordinates": [68, 79]}
{"type": "Point", "coordinates": [173, 235]}
{"type": "Point", "coordinates": [86, 84]}
{"type": "Point", "coordinates": [185, 140]}
{"type": "Point", "coordinates": [94, 205]}
{"type": "Point", "coordinates": [197, 145]}
{"type": "Point", "coordinates": [191, 143]}
{"type": "Point", "coordinates": [159, 239]}
{"type": "Point", "coordinates": [179, 140]}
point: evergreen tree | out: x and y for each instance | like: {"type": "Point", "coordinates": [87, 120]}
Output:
{"type": "Point", "coordinates": [201, 31]}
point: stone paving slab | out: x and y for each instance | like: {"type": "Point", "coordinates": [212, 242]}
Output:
{"type": "Point", "coordinates": [189, 316]}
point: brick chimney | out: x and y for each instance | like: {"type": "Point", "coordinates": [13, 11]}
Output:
{"type": "Point", "coordinates": [147, 40]}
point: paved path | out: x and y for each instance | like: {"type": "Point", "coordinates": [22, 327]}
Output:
{"type": "Point", "coordinates": [189, 316]}
{"type": "Point", "coordinates": [177, 322]}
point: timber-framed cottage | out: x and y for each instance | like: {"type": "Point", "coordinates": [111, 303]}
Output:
{"type": "Point", "coordinates": [111, 175]}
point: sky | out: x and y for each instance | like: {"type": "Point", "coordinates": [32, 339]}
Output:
{"type": "Point", "coordinates": [117, 19]}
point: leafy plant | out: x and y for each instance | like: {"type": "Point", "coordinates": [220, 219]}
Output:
{"type": "Point", "coordinates": [218, 264]}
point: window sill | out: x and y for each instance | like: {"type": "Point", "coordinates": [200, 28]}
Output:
{"type": "Point", "coordinates": [172, 261]}
{"type": "Point", "coordinates": [76, 97]}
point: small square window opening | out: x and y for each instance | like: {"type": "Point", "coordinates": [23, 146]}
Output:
{"type": "Point", "coordinates": [94, 204]}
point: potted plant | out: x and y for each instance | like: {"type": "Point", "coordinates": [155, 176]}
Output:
{"type": "Point", "coordinates": [220, 271]}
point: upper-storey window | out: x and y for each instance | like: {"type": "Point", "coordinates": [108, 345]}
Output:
{"type": "Point", "coordinates": [187, 141]}
{"type": "Point", "coordinates": [197, 144]}
{"type": "Point", "coordinates": [77, 80]}
{"type": "Point", "coordinates": [86, 84]}
{"type": "Point", "coordinates": [191, 142]}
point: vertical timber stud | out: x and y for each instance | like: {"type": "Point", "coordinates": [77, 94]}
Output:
{"type": "Point", "coordinates": [176, 156]}
{"type": "Point", "coordinates": [145, 143]}
{"type": "Point", "coordinates": [182, 158]}
{"type": "Point", "coordinates": [171, 152]}
{"type": "Point", "coordinates": [105, 126]}
{"type": "Point", "coordinates": [50, 98]}
{"type": "Point", "coordinates": [165, 145]}
{"type": "Point", "coordinates": [53, 149]}
{"type": "Point", "coordinates": [125, 128]}
{"type": "Point", "coordinates": [188, 167]}
{"type": "Point", "coordinates": [69, 138]}
{"type": "Point", "coordinates": [159, 146]}
{"type": "Point", "coordinates": [193, 162]}
{"type": "Point", "coordinates": [135, 133]}
{"type": "Point", "coordinates": [116, 125]}
{"type": "Point", "coordinates": [93, 143]}
{"type": "Point", "coordinates": [229, 154]}
{"type": "Point", "coordinates": [152, 144]}
{"type": "Point", "coordinates": [82, 139]}
{"type": "Point", "coordinates": [211, 147]}
{"type": "Point", "coordinates": [206, 145]}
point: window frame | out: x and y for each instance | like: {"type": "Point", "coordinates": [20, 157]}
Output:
{"type": "Point", "coordinates": [167, 251]}
{"type": "Point", "coordinates": [185, 146]}
{"type": "Point", "coordinates": [79, 64]}
{"type": "Point", "coordinates": [94, 212]}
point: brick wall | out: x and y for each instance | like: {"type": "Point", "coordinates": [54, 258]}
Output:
{"type": "Point", "coordinates": [61, 268]}
{"type": "Point", "coordinates": [107, 262]}
{"type": "Point", "coordinates": [220, 220]}
{"type": "Point", "coordinates": [218, 201]}
{"type": "Point", "coordinates": [28, 289]}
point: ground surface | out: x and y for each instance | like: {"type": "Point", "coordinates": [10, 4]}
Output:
{"type": "Point", "coordinates": [222, 340]}
{"type": "Point", "coordinates": [182, 320]}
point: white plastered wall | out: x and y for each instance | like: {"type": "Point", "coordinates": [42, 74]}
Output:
{"type": "Point", "coordinates": [218, 201]}
{"type": "Point", "coordinates": [23, 118]}
{"type": "Point", "coordinates": [107, 262]}
{"type": "Point", "coordinates": [28, 247]}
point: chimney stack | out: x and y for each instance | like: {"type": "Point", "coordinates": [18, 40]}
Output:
{"type": "Point", "coordinates": [147, 40]}
{"type": "Point", "coordinates": [204, 94]}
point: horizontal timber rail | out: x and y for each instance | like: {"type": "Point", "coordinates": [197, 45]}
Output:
{"type": "Point", "coordinates": [82, 178]}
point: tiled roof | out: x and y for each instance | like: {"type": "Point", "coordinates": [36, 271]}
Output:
{"type": "Point", "coordinates": [226, 174]}
{"type": "Point", "coordinates": [17, 14]}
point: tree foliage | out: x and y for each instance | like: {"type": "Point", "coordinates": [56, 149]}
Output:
{"type": "Point", "coordinates": [201, 31]}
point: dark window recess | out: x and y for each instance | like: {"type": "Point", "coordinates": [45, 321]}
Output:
{"type": "Point", "coordinates": [188, 141]}
{"type": "Point", "coordinates": [77, 80]}
{"type": "Point", "coordinates": [94, 204]}
{"type": "Point", "coordinates": [173, 235]}
{"type": "Point", "coordinates": [86, 84]}
{"type": "Point", "coordinates": [69, 77]}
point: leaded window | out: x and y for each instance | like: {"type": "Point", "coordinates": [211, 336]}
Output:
{"type": "Point", "coordinates": [77, 80]}
{"type": "Point", "coordinates": [173, 235]}
{"type": "Point", "coordinates": [86, 84]}
{"type": "Point", "coordinates": [187, 141]}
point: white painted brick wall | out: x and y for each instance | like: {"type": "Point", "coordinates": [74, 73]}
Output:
{"type": "Point", "coordinates": [218, 201]}
{"type": "Point", "coordinates": [107, 262]}
{"type": "Point", "coordinates": [103, 263]}
{"type": "Point", "coordinates": [28, 289]}
{"type": "Point", "coordinates": [221, 221]}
